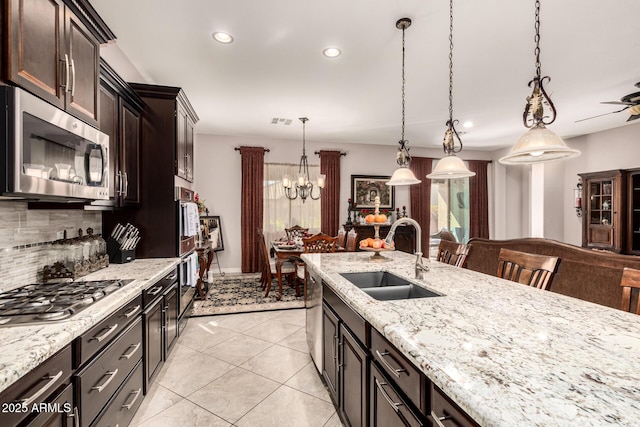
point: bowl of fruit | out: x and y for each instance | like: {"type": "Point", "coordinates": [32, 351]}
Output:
{"type": "Point", "coordinates": [376, 246]}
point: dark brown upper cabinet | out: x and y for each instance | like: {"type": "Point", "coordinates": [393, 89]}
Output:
{"type": "Point", "coordinates": [121, 118]}
{"type": "Point", "coordinates": [54, 54]}
{"type": "Point", "coordinates": [604, 204]}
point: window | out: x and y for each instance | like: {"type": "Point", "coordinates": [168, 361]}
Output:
{"type": "Point", "coordinates": [279, 211]}
{"type": "Point", "coordinates": [450, 207]}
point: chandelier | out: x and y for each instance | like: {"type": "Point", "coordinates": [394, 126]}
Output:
{"type": "Point", "coordinates": [302, 186]}
{"type": "Point", "coordinates": [403, 175]}
{"type": "Point", "coordinates": [539, 144]}
{"type": "Point", "coordinates": [451, 166]}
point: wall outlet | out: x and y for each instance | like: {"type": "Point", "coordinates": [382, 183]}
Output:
{"type": "Point", "coordinates": [60, 235]}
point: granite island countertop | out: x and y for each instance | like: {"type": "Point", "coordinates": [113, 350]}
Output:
{"type": "Point", "coordinates": [507, 354]}
{"type": "Point", "coordinates": [23, 348]}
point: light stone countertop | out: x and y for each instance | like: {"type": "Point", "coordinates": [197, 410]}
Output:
{"type": "Point", "coordinates": [23, 348]}
{"type": "Point", "coordinates": [507, 354]}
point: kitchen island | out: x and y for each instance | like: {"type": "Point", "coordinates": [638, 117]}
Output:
{"type": "Point", "coordinates": [23, 348]}
{"type": "Point", "coordinates": [506, 354]}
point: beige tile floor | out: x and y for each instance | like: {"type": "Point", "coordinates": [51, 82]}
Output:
{"type": "Point", "coordinates": [249, 369]}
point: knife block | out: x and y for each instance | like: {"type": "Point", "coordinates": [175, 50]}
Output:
{"type": "Point", "coordinates": [117, 255]}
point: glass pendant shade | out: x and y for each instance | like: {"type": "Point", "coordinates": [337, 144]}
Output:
{"type": "Point", "coordinates": [450, 167]}
{"type": "Point", "coordinates": [538, 145]}
{"type": "Point", "coordinates": [403, 176]}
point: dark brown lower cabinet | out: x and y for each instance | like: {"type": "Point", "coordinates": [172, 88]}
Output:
{"type": "Point", "coordinates": [353, 368]}
{"type": "Point", "coordinates": [444, 412]}
{"type": "Point", "coordinates": [345, 369]}
{"type": "Point", "coordinates": [171, 312]}
{"type": "Point", "coordinates": [387, 407]}
{"type": "Point", "coordinates": [123, 406]}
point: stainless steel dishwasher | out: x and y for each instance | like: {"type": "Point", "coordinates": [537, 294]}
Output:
{"type": "Point", "coordinates": [314, 316]}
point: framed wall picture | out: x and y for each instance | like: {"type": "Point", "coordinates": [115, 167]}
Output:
{"type": "Point", "coordinates": [365, 188]}
{"type": "Point", "coordinates": [212, 230]}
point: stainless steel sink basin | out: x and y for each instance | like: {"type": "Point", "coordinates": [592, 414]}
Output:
{"type": "Point", "coordinates": [385, 286]}
{"type": "Point", "coordinates": [375, 279]}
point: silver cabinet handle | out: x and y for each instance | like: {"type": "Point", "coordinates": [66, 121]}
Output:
{"type": "Point", "coordinates": [126, 184]}
{"type": "Point", "coordinates": [131, 353]}
{"type": "Point", "coordinates": [111, 376]}
{"type": "Point", "coordinates": [394, 405]}
{"type": "Point", "coordinates": [66, 72]}
{"type": "Point", "coordinates": [73, 72]}
{"type": "Point", "coordinates": [119, 179]}
{"type": "Point", "coordinates": [393, 370]}
{"type": "Point", "coordinates": [52, 380]}
{"type": "Point", "coordinates": [137, 393]}
{"type": "Point", "coordinates": [155, 291]}
{"type": "Point", "coordinates": [438, 420]}
{"type": "Point", "coordinates": [109, 331]}
{"type": "Point", "coordinates": [133, 311]}
{"type": "Point", "coordinates": [171, 277]}
{"type": "Point", "coordinates": [74, 415]}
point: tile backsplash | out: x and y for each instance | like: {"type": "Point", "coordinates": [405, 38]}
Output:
{"type": "Point", "coordinates": [26, 236]}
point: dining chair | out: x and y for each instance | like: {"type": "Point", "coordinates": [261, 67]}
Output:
{"type": "Point", "coordinates": [529, 269]}
{"type": "Point", "coordinates": [630, 279]}
{"type": "Point", "coordinates": [453, 253]}
{"type": "Point", "coordinates": [269, 270]}
{"type": "Point", "coordinates": [352, 241]}
{"type": "Point", "coordinates": [318, 243]}
{"type": "Point", "coordinates": [296, 232]}
{"type": "Point", "coordinates": [342, 235]}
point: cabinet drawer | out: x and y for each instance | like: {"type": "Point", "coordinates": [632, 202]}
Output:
{"type": "Point", "coordinates": [387, 406]}
{"type": "Point", "coordinates": [408, 378]}
{"type": "Point", "coordinates": [153, 292]}
{"type": "Point", "coordinates": [38, 386]}
{"type": "Point", "coordinates": [99, 380]}
{"type": "Point", "coordinates": [356, 324]}
{"type": "Point", "coordinates": [89, 343]}
{"type": "Point", "coordinates": [63, 411]}
{"type": "Point", "coordinates": [123, 406]}
{"type": "Point", "coordinates": [446, 413]}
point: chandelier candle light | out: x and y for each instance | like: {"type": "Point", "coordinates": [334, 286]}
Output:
{"type": "Point", "coordinates": [302, 187]}
{"type": "Point", "coordinates": [403, 175]}
{"type": "Point", "coordinates": [539, 144]}
{"type": "Point", "coordinates": [451, 166]}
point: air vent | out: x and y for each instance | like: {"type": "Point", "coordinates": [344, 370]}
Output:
{"type": "Point", "coordinates": [279, 120]}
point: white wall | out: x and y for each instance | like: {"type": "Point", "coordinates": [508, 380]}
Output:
{"type": "Point", "coordinates": [218, 177]}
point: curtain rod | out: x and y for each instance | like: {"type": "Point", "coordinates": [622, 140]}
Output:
{"type": "Point", "coordinates": [342, 153]}
{"type": "Point", "coordinates": [265, 149]}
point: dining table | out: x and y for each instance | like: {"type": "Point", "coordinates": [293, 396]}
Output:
{"type": "Point", "coordinates": [283, 251]}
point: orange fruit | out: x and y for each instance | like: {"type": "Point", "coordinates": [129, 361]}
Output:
{"type": "Point", "coordinates": [364, 243]}
{"type": "Point", "coordinates": [369, 218]}
{"type": "Point", "coordinates": [381, 218]}
{"type": "Point", "coordinates": [377, 244]}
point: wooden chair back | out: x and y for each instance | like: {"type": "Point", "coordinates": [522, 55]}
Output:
{"type": "Point", "coordinates": [296, 232]}
{"type": "Point", "coordinates": [320, 243]}
{"type": "Point", "coordinates": [630, 279]}
{"type": "Point", "coordinates": [528, 269]}
{"type": "Point", "coordinates": [342, 236]}
{"type": "Point", "coordinates": [263, 248]}
{"type": "Point", "coordinates": [453, 253]}
{"type": "Point", "coordinates": [352, 241]}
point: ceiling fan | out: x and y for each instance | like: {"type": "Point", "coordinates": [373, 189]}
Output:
{"type": "Point", "coordinates": [631, 103]}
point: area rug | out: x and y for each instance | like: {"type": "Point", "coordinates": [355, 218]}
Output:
{"type": "Point", "coordinates": [243, 293]}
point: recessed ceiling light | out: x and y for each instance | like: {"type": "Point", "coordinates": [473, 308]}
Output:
{"type": "Point", "coordinates": [222, 37]}
{"type": "Point", "coordinates": [331, 52]}
{"type": "Point", "coordinates": [467, 125]}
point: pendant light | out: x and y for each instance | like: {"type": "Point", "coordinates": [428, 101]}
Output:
{"type": "Point", "coordinates": [539, 144]}
{"type": "Point", "coordinates": [403, 175]}
{"type": "Point", "coordinates": [451, 166]}
{"type": "Point", "coordinates": [302, 186]}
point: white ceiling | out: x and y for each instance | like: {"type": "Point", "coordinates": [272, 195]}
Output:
{"type": "Point", "coordinates": [275, 67]}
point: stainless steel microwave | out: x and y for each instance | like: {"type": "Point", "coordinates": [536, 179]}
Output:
{"type": "Point", "coordinates": [49, 154]}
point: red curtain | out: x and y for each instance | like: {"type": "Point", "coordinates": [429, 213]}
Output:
{"type": "Point", "coordinates": [420, 198]}
{"type": "Point", "coordinates": [330, 201]}
{"type": "Point", "coordinates": [251, 206]}
{"type": "Point", "coordinates": [479, 200]}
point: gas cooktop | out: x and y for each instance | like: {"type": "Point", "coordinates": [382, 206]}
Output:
{"type": "Point", "coordinates": [32, 304]}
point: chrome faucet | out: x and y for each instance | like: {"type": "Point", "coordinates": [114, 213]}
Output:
{"type": "Point", "coordinates": [420, 267]}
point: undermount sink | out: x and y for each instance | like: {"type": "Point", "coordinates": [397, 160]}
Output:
{"type": "Point", "coordinates": [385, 286]}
